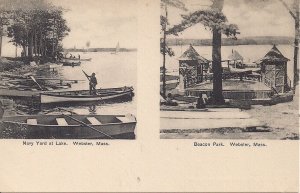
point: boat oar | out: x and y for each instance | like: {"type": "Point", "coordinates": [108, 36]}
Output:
{"type": "Point", "coordinates": [72, 112]}
{"type": "Point", "coordinates": [36, 82]}
{"type": "Point", "coordinates": [87, 76]}
{"type": "Point", "coordinates": [84, 124]}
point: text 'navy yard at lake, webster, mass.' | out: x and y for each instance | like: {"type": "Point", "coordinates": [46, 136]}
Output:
{"type": "Point", "coordinates": [65, 143]}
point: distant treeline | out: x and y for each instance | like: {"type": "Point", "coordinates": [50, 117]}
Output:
{"type": "Point", "coordinates": [261, 40]}
{"type": "Point", "coordinates": [100, 50]}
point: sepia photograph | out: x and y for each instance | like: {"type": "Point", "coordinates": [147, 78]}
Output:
{"type": "Point", "coordinates": [229, 69]}
{"type": "Point", "coordinates": [68, 69]}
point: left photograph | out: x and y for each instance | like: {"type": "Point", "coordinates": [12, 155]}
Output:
{"type": "Point", "coordinates": [68, 69]}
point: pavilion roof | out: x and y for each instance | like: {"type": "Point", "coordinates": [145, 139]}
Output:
{"type": "Point", "coordinates": [235, 55]}
{"type": "Point", "coordinates": [274, 55]}
{"type": "Point", "coordinates": [192, 54]}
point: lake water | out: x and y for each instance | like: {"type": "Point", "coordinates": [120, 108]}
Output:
{"type": "Point", "coordinates": [251, 53]}
{"type": "Point", "coordinates": [112, 70]}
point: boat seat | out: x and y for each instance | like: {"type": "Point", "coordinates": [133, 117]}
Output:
{"type": "Point", "coordinates": [94, 121]}
{"type": "Point", "coordinates": [124, 119]}
{"type": "Point", "coordinates": [32, 121]}
{"type": "Point", "coordinates": [61, 121]}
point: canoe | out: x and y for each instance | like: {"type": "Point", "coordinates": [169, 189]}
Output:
{"type": "Point", "coordinates": [71, 63]}
{"type": "Point", "coordinates": [69, 127]}
{"type": "Point", "coordinates": [81, 96]}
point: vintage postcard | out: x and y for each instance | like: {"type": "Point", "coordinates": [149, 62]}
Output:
{"type": "Point", "coordinates": [67, 73]}
{"type": "Point", "coordinates": [208, 90]}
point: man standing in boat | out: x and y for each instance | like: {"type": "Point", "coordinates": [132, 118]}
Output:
{"type": "Point", "coordinates": [93, 83]}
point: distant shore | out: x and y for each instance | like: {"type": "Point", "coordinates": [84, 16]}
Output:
{"type": "Point", "coordinates": [100, 50]}
{"type": "Point", "coordinates": [256, 40]}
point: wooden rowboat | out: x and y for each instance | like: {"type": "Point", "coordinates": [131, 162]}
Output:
{"type": "Point", "coordinates": [71, 63]}
{"type": "Point", "coordinates": [69, 127]}
{"type": "Point", "coordinates": [203, 119]}
{"type": "Point", "coordinates": [80, 96]}
{"type": "Point", "coordinates": [77, 59]}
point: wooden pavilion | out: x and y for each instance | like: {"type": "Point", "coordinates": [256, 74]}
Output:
{"type": "Point", "coordinates": [192, 68]}
{"type": "Point", "coordinates": [274, 70]}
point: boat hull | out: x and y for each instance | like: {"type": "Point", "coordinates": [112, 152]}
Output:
{"type": "Point", "coordinates": [75, 130]}
{"type": "Point", "coordinates": [71, 64]}
{"type": "Point", "coordinates": [52, 98]}
{"type": "Point", "coordinates": [76, 59]}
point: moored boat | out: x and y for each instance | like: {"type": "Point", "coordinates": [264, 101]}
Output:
{"type": "Point", "coordinates": [82, 96]}
{"type": "Point", "coordinates": [71, 126]}
{"type": "Point", "coordinates": [71, 63]}
{"type": "Point", "coordinates": [77, 59]}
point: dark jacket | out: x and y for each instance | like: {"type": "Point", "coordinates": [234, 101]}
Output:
{"type": "Point", "coordinates": [93, 80]}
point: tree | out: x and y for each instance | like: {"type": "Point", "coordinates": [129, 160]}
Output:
{"type": "Point", "coordinates": [215, 21]}
{"type": "Point", "coordinates": [38, 27]}
{"type": "Point", "coordinates": [164, 49]}
{"type": "Point", "coordinates": [295, 14]}
{"type": "Point", "coordinates": [4, 21]}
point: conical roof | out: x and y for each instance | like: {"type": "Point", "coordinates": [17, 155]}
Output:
{"type": "Point", "coordinates": [192, 54]}
{"type": "Point", "coordinates": [235, 56]}
{"type": "Point", "coordinates": [274, 55]}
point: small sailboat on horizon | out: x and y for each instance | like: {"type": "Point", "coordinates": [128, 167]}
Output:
{"type": "Point", "coordinates": [117, 49]}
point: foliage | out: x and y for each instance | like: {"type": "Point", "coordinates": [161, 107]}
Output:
{"type": "Point", "coordinates": [164, 22]}
{"type": "Point", "coordinates": [211, 19]}
{"type": "Point", "coordinates": [168, 50]}
{"type": "Point", "coordinates": [37, 26]}
{"type": "Point", "coordinates": [173, 3]}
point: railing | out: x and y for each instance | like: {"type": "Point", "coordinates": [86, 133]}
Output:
{"type": "Point", "coordinates": [235, 94]}
{"type": "Point", "coordinates": [268, 82]}
{"type": "Point", "coordinates": [225, 76]}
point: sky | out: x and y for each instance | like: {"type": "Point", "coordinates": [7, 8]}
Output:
{"type": "Point", "coordinates": [102, 22]}
{"type": "Point", "coordinates": [253, 17]}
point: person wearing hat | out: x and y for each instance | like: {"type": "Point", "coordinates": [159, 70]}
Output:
{"type": "Point", "coordinates": [93, 83]}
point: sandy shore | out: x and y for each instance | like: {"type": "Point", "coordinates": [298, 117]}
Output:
{"type": "Point", "coordinates": [281, 120]}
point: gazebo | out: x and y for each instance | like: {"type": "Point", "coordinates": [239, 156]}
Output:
{"type": "Point", "coordinates": [274, 70]}
{"type": "Point", "coordinates": [192, 67]}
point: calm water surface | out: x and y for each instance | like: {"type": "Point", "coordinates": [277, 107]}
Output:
{"type": "Point", "coordinates": [111, 71]}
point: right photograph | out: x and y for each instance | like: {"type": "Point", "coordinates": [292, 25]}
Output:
{"type": "Point", "coordinates": [229, 69]}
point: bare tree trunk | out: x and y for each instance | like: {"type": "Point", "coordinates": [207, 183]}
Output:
{"type": "Point", "coordinates": [217, 68]}
{"type": "Point", "coordinates": [217, 97]}
{"type": "Point", "coordinates": [1, 34]}
{"type": "Point", "coordinates": [0, 44]}
{"type": "Point", "coordinates": [35, 43]}
{"type": "Point", "coordinates": [296, 49]}
{"type": "Point", "coordinates": [24, 51]}
{"type": "Point", "coordinates": [164, 56]}
{"type": "Point", "coordinates": [30, 45]}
